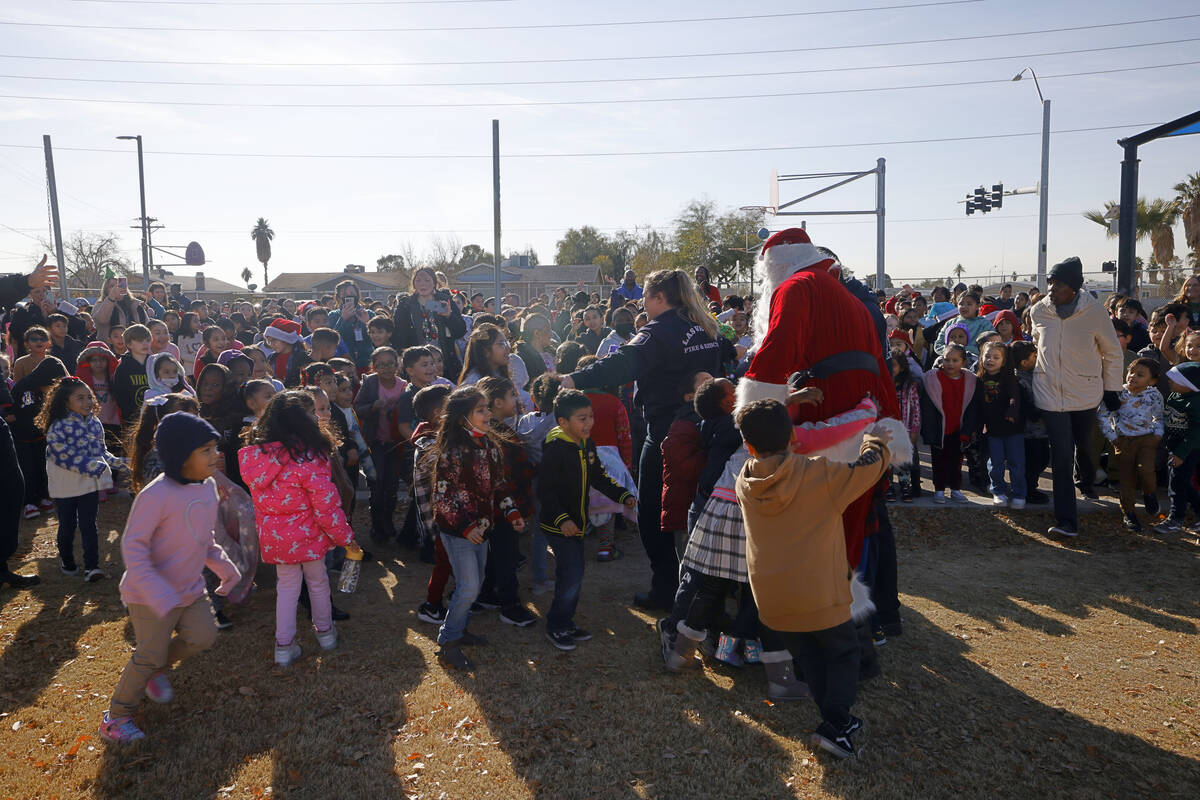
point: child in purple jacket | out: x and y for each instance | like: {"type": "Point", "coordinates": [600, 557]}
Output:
{"type": "Point", "coordinates": [168, 541]}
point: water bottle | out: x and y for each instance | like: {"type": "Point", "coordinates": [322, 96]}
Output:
{"type": "Point", "coordinates": [350, 569]}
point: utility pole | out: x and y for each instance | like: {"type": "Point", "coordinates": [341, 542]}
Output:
{"type": "Point", "coordinates": [54, 220]}
{"type": "Point", "coordinates": [1044, 197]}
{"type": "Point", "coordinates": [145, 222]}
{"type": "Point", "coordinates": [496, 207]}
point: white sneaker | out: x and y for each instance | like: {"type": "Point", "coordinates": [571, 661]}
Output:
{"type": "Point", "coordinates": [939, 498]}
{"type": "Point", "coordinates": [958, 497]}
{"type": "Point", "coordinates": [31, 511]}
{"type": "Point", "coordinates": [1017, 503]}
{"type": "Point", "coordinates": [284, 656]}
{"type": "Point", "coordinates": [327, 639]}
{"type": "Point", "coordinates": [999, 500]}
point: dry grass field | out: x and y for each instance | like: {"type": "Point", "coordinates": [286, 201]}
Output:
{"type": "Point", "coordinates": [1027, 668]}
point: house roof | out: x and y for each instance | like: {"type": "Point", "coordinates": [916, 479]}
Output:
{"type": "Point", "coordinates": [567, 274]}
{"type": "Point", "coordinates": [325, 281]}
{"type": "Point", "coordinates": [187, 284]}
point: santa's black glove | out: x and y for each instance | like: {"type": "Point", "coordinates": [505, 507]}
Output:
{"type": "Point", "coordinates": [1112, 401]}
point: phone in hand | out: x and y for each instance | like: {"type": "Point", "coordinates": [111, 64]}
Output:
{"type": "Point", "coordinates": [123, 283]}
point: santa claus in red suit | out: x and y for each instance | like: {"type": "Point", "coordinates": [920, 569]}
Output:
{"type": "Point", "coordinates": [813, 325]}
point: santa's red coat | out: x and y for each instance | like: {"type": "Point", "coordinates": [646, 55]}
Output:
{"type": "Point", "coordinates": [812, 317]}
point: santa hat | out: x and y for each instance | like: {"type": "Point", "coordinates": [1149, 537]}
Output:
{"type": "Point", "coordinates": [903, 336]}
{"type": "Point", "coordinates": [285, 330]}
{"type": "Point", "coordinates": [791, 250]}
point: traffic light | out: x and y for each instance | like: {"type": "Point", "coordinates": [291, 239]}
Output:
{"type": "Point", "coordinates": [970, 204]}
{"type": "Point", "coordinates": [997, 195]}
{"type": "Point", "coordinates": [983, 201]}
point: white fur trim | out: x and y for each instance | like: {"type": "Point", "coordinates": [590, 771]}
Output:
{"type": "Point", "coordinates": [845, 452]}
{"type": "Point", "coordinates": [861, 606]}
{"type": "Point", "coordinates": [900, 447]}
{"type": "Point", "coordinates": [695, 636]}
{"type": "Point", "coordinates": [750, 390]}
{"type": "Point", "coordinates": [281, 335]}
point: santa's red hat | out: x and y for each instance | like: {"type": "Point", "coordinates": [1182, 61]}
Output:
{"type": "Point", "coordinates": [283, 329]}
{"type": "Point", "coordinates": [792, 250]}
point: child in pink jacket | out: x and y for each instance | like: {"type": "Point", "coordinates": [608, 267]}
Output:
{"type": "Point", "coordinates": [298, 511]}
{"type": "Point", "coordinates": [168, 541]}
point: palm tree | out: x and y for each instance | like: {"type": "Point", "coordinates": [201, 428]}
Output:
{"type": "Point", "coordinates": [246, 275]}
{"type": "Point", "coordinates": [1187, 198]}
{"type": "Point", "coordinates": [262, 236]}
{"type": "Point", "coordinates": [1154, 221]}
{"type": "Point", "coordinates": [958, 271]}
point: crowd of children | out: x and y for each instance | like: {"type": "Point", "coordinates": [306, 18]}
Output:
{"type": "Point", "coordinates": [296, 408]}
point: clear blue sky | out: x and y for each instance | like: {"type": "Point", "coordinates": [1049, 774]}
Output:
{"type": "Point", "coordinates": [330, 212]}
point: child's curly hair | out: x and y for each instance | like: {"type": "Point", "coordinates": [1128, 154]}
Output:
{"type": "Point", "coordinates": [288, 419]}
{"type": "Point", "coordinates": [55, 407]}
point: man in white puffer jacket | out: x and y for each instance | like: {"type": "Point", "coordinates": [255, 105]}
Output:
{"type": "Point", "coordinates": [1078, 366]}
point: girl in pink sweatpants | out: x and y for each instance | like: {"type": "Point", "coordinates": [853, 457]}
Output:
{"type": "Point", "coordinates": [299, 515]}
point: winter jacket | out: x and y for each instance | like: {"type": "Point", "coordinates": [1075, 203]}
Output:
{"type": "Point", "coordinates": [795, 542]}
{"type": "Point", "coordinates": [933, 423]}
{"type": "Point", "coordinates": [84, 370]}
{"type": "Point", "coordinates": [368, 415]}
{"type": "Point", "coordinates": [658, 357]}
{"type": "Point", "coordinates": [156, 387]}
{"type": "Point", "coordinates": [1035, 427]}
{"type": "Point", "coordinates": [1139, 414]}
{"type": "Point", "coordinates": [567, 471]}
{"type": "Point", "coordinates": [1182, 414]}
{"type": "Point", "coordinates": [168, 541]}
{"type": "Point", "coordinates": [107, 313]}
{"type": "Point", "coordinates": [1002, 414]}
{"type": "Point", "coordinates": [1078, 358]}
{"type": "Point", "coordinates": [28, 395]}
{"type": "Point", "coordinates": [472, 486]}
{"type": "Point", "coordinates": [409, 330]}
{"type": "Point", "coordinates": [909, 397]}
{"type": "Point", "coordinates": [77, 461]}
{"type": "Point", "coordinates": [974, 327]}
{"type": "Point", "coordinates": [684, 458]}
{"type": "Point", "coordinates": [296, 505]}
{"type": "Point", "coordinates": [520, 471]}
{"type": "Point", "coordinates": [720, 439]}
{"type": "Point", "coordinates": [591, 340]}
{"type": "Point", "coordinates": [68, 353]}
{"type": "Point", "coordinates": [424, 435]}
{"type": "Point", "coordinates": [129, 385]}
{"type": "Point", "coordinates": [532, 428]}
{"type": "Point", "coordinates": [296, 361]}
{"type": "Point", "coordinates": [354, 337]}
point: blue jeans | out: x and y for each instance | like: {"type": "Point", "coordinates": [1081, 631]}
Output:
{"type": "Point", "coordinates": [1008, 450]}
{"type": "Point", "coordinates": [568, 580]}
{"type": "Point", "coordinates": [468, 561]}
{"type": "Point", "coordinates": [80, 509]}
{"type": "Point", "coordinates": [1181, 489]}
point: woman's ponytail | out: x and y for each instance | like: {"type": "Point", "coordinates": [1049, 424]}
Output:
{"type": "Point", "coordinates": [680, 291]}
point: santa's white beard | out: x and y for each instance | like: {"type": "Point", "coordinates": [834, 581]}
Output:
{"type": "Point", "coordinates": [776, 266]}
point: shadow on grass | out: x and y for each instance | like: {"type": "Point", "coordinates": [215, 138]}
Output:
{"type": "Point", "coordinates": [938, 724]}
{"type": "Point", "coordinates": [1143, 575]}
{"type": "Point", "coordinates": [325, 722]}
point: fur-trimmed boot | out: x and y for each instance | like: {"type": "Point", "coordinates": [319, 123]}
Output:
{"type": "Point", "coordinates": [782, 683]}
{"type": "Point", "coordinates": [682, 655]}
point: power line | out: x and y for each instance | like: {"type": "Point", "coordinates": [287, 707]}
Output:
{"type": "Point", "coordinates": [701, 151]}
{"type": "Point", "coordinates": [589, 59]}
{"type": "Point", "coordinates": [463, 28]}
{"type": "Point", "coordinates": [288, 2]}
{"type": "Point", "coordinates": [772, 74]}
{"type": "Point", "coordinates": [590, 102]}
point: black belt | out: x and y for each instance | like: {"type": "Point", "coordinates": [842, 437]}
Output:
{"type": "Point", "coordinates": [840, 362]}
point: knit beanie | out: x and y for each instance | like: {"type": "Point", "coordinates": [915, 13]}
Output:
{"type": "Point", "coordinates": [1069, 272]}
{"type": "Point", "coordinates": [1186, 374]}
{"type": "Point", "coordinates": [179, 435]}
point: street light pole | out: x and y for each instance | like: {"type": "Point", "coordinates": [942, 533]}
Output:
{"type": "Point", "coordinates": [145, 222]}
{"type": "Point", "coordinates": [1044, 182]}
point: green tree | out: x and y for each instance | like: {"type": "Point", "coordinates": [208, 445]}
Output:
{"type": "Point", "coordinates": [582, 245]}
{"type": "Point", "coordinates": [1187, 200]}
{"type": "Point", "coordinates": [473, 254]}
{"type": "Point", "coordinates": [262, 236]}
{"type": "Point", "coordinates": [246, 275]}
{"type": "Point", "coordinates": [390, 263]}
{"type": "Point", "coordinates": [1155, 220]}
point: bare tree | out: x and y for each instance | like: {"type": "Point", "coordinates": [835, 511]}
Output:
{"type": "Point", "coordinates": [89, 256]}
{"type": "Point", "coordinates": [444, 250]}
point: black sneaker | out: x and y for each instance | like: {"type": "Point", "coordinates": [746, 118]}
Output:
{"type": "Point", "coordinates": [224, 623]}
{"type": "Point", "coordinates": [1089, 492]}
{"type": "Point", "coordinates": [489, 602]}
{"type": "Point", "coordinates": [906, 494]}
{"type": "Point", "coordinates": [1151, 503]}
{"type": "Point", "coordinates": [519, 616]}
{"type": "Point", "coordinates": [452, 656]}
{"type": "Point", "coordinates": [68, 568]}
{"type": "Point", "coordinates": [434, 615]}
{"type": "Point", "coordinates": [1064, 529]}
{"type": "Point", "coordinates": [892, 629]}
{"type": "Point", "coordinates": [1132, 524]}
{"type": "Point", "coordinates": [666, 633]}
{"type": "Point", "coordinates": [878, 637]}
{"type": "Point", "coordinates": [561, 639]}
{"type": "Point", "coordinates": [338, 614]}
{"type": "Point", "coordinates": [854, 726]}
{"type": "Point", "coordinates": [1036, 498]}
{"type": "Point", "coordinates": [580, 635]}
{"type": "Point", "coordinates": [833, 741]}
